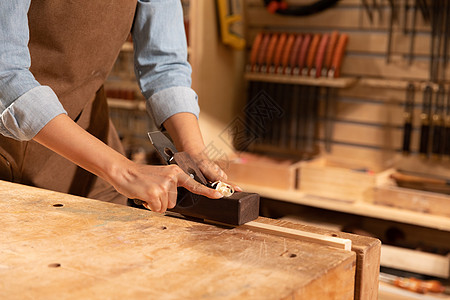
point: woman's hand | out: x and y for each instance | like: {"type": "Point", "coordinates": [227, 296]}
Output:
{"type": "Point", "coordinates": [157, 185]}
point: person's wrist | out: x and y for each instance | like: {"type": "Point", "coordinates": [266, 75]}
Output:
{"type": "Point", "coordinates": [119, 171]}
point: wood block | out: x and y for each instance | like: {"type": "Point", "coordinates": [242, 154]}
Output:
{"type": "Point", "coordinates": [346, 183]}
{"type": "Point", "coordinates": [415, 261]}
{"type": "Point", "coordinates": [367, 251]}
{"type": "Point", "coordinates": [262, 170]}
{"type": "Point", "coordinates": [415, 200]}
{"type": "Point", "coordinates": [55, 246]}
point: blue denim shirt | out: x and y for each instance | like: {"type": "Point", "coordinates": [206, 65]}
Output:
{"type": "Point", "coordinates": [161, 67]}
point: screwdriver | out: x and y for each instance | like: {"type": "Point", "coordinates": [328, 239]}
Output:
{"type": "Point", "coordinates": [414, 284]}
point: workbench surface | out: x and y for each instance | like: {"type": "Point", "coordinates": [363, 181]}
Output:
{"type": "Point", "coordinates": [55, 246]}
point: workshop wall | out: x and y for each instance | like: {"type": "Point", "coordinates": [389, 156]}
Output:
{"type": "Point", "coordinates": [368, 119]}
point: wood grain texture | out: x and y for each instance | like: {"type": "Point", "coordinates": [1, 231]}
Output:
{"type": "Point", "coordinates": [87, 249]}
{"type": "Point", "coordinates": [367, 256]}
{"type": "Point", "coordinates": [334, 242]}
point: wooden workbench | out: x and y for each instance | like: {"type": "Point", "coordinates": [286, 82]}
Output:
{"type": "Point", "coordinates": [55, 246]}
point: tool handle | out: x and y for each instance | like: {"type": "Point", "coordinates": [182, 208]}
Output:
{"type": "Point", "coordinates": [302, 54]}
{"type": "Point", "coordinates": [271, 51]}
{"type": "Point", "coordinates": [447, 141]}
{"type": "Point", "coordinates": [295, 52]}
{"type": "Point", "coordinates": [316, 72]}
{"type": "Point", "coordinates": [407, 130]}
{"type": "Point", "coordinates": [189, 166]}
{"type": "Point", "coordinates": [263, 50]}
{"type": "Point", "coordinates": [311, 54]}
{"type": "Point", "coordinates": [424, 139]}
{"type": "Point", "coordinates": [335, 69]}
{"type": "Point", "coordinates": [281, 46]}
{"type": "Point", "coordinates": [255, 50]}
{"type": "Point", "coordinates": [286, 53]}
{"type": "Point", "coordinates": [438, 135]}
{"type": "Point", "coordinates": [329, 52]}
{"type": "Point", "coordinates": [419, 286]}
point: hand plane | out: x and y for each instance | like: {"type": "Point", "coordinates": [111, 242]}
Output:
{"type": "Point", "coordinates": [236, 209]}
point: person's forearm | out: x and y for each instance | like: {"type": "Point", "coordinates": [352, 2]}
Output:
{"type": "Point", "coordinates": [185, 132]}
{"type": "Point", "coordinates": [65, 137]}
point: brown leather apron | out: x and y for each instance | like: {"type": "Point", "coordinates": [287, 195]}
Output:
{"type": "Point", "coordinates": [73, 46]}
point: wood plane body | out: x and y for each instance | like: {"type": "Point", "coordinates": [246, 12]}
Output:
{"type": "Point", "coordinates": [237, 209]}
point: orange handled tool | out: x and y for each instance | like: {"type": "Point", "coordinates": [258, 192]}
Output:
{"type": "Point", "coordinates": [311, 54]}
{"type": "Point", "coordinates": [295, 52]}
{"type": "Point", "coordinates": [335, 69]}
{"type": "Point", "coordinates": [286, 53]}
{"type": "Point", "coordinates": [329, 53]}
{"type": "Point", "coordinates": [262, 53]}
{"type": "Point", "coordinates": [270, 53]}
{"type": "Point", "coordinates": [279, 52]}
{"type": "Point", "coordinates": [255, 50]}
{"type": "Point", "coordinates": [317, 68]}
{"type": "Point", "coordinates": [302, 54]}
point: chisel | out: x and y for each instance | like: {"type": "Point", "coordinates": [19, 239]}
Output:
{"type": "Point", "coordinates": [311, 54]}
{"type": "Point", "coordinates": [302, 55]}
{"type": "Point", "coordinates": [254, 86]}
{"type": "Point", "coordinates": [425, 121]}
{"type": "Point", "coordinates": [295, 53]}
{"type": "Point", "coordinates": [413, 32]}
{"type": "Point", "coordinates": [447, 128]}
{"type": "Point", "coordinates": [408, 118]}
{"type": "Point", "coordinates": [335, 68]}
{"type": "Point", "coordinates": [438, 122]}
{"type": "Point", "coordinates": [316, 70]}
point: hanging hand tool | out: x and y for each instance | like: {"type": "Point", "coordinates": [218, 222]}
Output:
{"type": "Point", "coordinates": [394, 17]}
{"type": "Point", "coordinates": [311, 54]}
{"type": "Point", "coordinates": [413, 32]}
{"type": "Point", "coordinates": [425, 10]}
{"type": "Point", "coordinates": [295, 52]}
{"type": "Point", "coordinates": [228, 16]}
{"type": "Point", "coordinates": [329, 53]}
{"type": "Point", "coordinates": [436, 32]}
{"type": "Point", "coordinates": [425, 121]}
{"type": "Point", "coordinates": [236, 209]}
{"type": "Point", "coordinates": [254, 87]}
{"type": "Point", "coordinates": [446, 36]}
{"type": "Point", "coordinates": [447, 128]}
{"type": "Point", "coordinates": [405, 16]}
{"type": "Point", "coordinates": [330, 101]}
{"type": "Point", "coordinates": [282, 47]}
{"type": "Point", "coordinates": [273, 89]}
{"type": "Point", "coordinates": [438, 123]}
{"type": "Point", "coordinates": [335, 69]}
{"type": "Point", "coordinates": [368, 9]}
{"type": "Point", "coordinates": [408, 118]}
{"type": "Point", "coordinates": [302, 55]}
{"type": "Point", "coordinates": [316, 70]}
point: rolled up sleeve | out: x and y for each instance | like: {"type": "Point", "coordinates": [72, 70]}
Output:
{"type": "Point", "coordinates": [25, 106]}
{"type": "Point", "coordinates": [161, 65]}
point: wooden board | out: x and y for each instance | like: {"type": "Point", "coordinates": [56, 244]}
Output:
{"type": "Point", "coordinates": [415, 261]}
{"type": "Point", "coordinates": [367, 256]}
{"type": "Point", "coordinates": [55, 246]}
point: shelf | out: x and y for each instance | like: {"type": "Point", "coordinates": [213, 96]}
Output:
{"type": "Point", "coordinates": [356, 208]}
{"type": "Point", "coordinates": [343, 82]}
